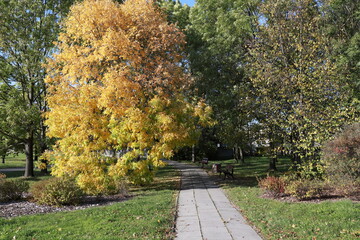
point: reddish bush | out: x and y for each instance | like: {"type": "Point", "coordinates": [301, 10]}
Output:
{"type": "Point", "coordinates": [342, 158]}
{"type": "Point", "coordinates": [345, 145]}
{"type": "Point", "coordinates": [273, 185]}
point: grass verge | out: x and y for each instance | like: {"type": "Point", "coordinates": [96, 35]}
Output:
{"type": "Point", "coordinates": [325, 220]}
{"type": "Point", "coordinates": [148, 215]}
{"type": "Point", "coordinates": [281, 220]}
{"type": "Point", "coordinates": [14, 161]}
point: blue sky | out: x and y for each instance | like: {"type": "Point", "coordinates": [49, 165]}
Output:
{"type": "Point", "coordinates": [188, 2]}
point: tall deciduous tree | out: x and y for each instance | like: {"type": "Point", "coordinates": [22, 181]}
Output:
{"type": "Point", "coordinates": [342, 18]}
{"type": "Point", "coordinates": [116, 84]}
{"type": "Point", "coordinates": [16, 118]}
{"type": "Point", "coordinates": [217, 37]}
{"type": "Point", "coordinates": [297, 84]}
{"type": "Point", "coordinates": [27, 30]}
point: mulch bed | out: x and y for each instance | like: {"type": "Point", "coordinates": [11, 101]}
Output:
{"type": "Point", "coordinates": [25, 207]}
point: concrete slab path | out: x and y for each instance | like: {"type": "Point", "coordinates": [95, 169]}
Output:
{"type": "Point", "coordinates": [204, 212]}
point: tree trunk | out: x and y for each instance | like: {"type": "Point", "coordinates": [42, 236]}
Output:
{"type": "Point", "coordinates": [3, 158]}
{"type": "Point", "coordinates": [29, 152]}
{"type": "Point", "coordinates": [193, 153]}
{"type": "Point", "coordinates": [296, 160]}
{"type": "Point", "coordinates": [235, 154]}
{"type": "Point", "coordinates": [273, 158]}
{"type": "Point", "coordinates": [238, 154]}
{"type": "Point", "coordinates": [272, 164]}
{"type": "Point", "coordinates": [43, 146]}
{"type": "Point", "coordinates": [295, 157]}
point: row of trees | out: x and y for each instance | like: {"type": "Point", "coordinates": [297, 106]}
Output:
{"type": "Point", "coordinates": [283, 72]}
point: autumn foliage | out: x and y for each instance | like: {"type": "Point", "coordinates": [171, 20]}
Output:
{"type": "Point", "coordinates": [342, 158]}
{"type": "Point", "coordinates": [117, 84]}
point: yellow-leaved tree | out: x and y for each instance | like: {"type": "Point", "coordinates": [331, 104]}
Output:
{"type": "Point", "coordinates": [116, 94]}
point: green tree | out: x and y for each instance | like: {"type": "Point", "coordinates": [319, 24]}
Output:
{"type": "Point", "coordinates": [217, 37]}
{"type": "Point", "coordinates": [301, 98]}
{"type": "Point", "coordinates": [342, 18]}
{"type": "Point", "coordinates": [16, 118]}
{"type": "Point", "coordinates": [176, 13]}
{"type": "Point", "coordinates": [27, 31]}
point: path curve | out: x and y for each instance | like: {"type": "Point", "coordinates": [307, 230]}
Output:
{"type": "Point", "coordinates": [204, 212]}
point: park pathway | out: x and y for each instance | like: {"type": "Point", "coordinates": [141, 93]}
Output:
{"type": "Point", "coordinates": [18, 169]}
{"type": "Point", "coordinates": [204, 212]}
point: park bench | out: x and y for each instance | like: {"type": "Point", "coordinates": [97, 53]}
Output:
{"type": "Point", "coordinates": [204, 161]}
{"type": "Point", "coordinates": [228, 170]}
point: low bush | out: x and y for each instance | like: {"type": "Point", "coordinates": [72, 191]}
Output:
{"type": "Point", "coordinates": [12, 189]}
{"type": "Point", "coordinates": [346, 187]}
{"type": "Point", "coordinates": [56, 192]}
{"type": "Point", "coordinates": [307, 181]}
{"type": "Point", "coordinates": [122, 188]}
{"type": "Point", "coordinates": [306, 189]}
{"type": "Point", "coordinates": [115, 187]}
{"type": "Point", "coordinates": [274, 186]}
{"type": "Point", "coordinates": [101, 186]}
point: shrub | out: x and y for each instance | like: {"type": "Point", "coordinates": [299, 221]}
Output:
{"type": "Point", "coordinates": [346, 187]}
{"type": "Point", "coordinates": [141, 174]}
{"type": "Point", "coordinates": [101, 185]}
{"type": "Point", "coordinates": [121, 187]}
{"type": "Point", "coordinates": [114, 187]}
{"type": "Point", "coordinates": [306, 189]}
{"type": "Point", "coordinates": [342, 158]}
{"type": "Point", "coordinates": [274, 186]}
{"type": "Point", "coordinates": [309, 169]}
{"type": "Point", "coordinates": [56, 192]}
{"type": "Point", "coordinates": [12, 189]}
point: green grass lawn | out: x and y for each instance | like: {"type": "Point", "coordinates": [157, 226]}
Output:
{"type": "Point", "coordinates": [12, 161]}
{"type": "Point", "coordinates": [280, 220]}
{"type": "Point", "coordinates": [148, 215]}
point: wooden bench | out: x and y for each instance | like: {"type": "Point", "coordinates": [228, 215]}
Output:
{"type": "Point", "coordinates": [228, 170]}
{"type": "Point", "coordinates": [216, 168]}
{"type": "Point", "coordinates": [204, 161]}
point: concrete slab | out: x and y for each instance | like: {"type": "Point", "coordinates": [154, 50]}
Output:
{"type": "Point", "coordinates": [216, 233]}
{"type": "Point", "coordinates": [189, 236]}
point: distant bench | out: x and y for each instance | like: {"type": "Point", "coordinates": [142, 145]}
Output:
{"type": "Point", "coordinates": [204, 161]}
{"type": "Point", "coordinates": [228, 170]}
